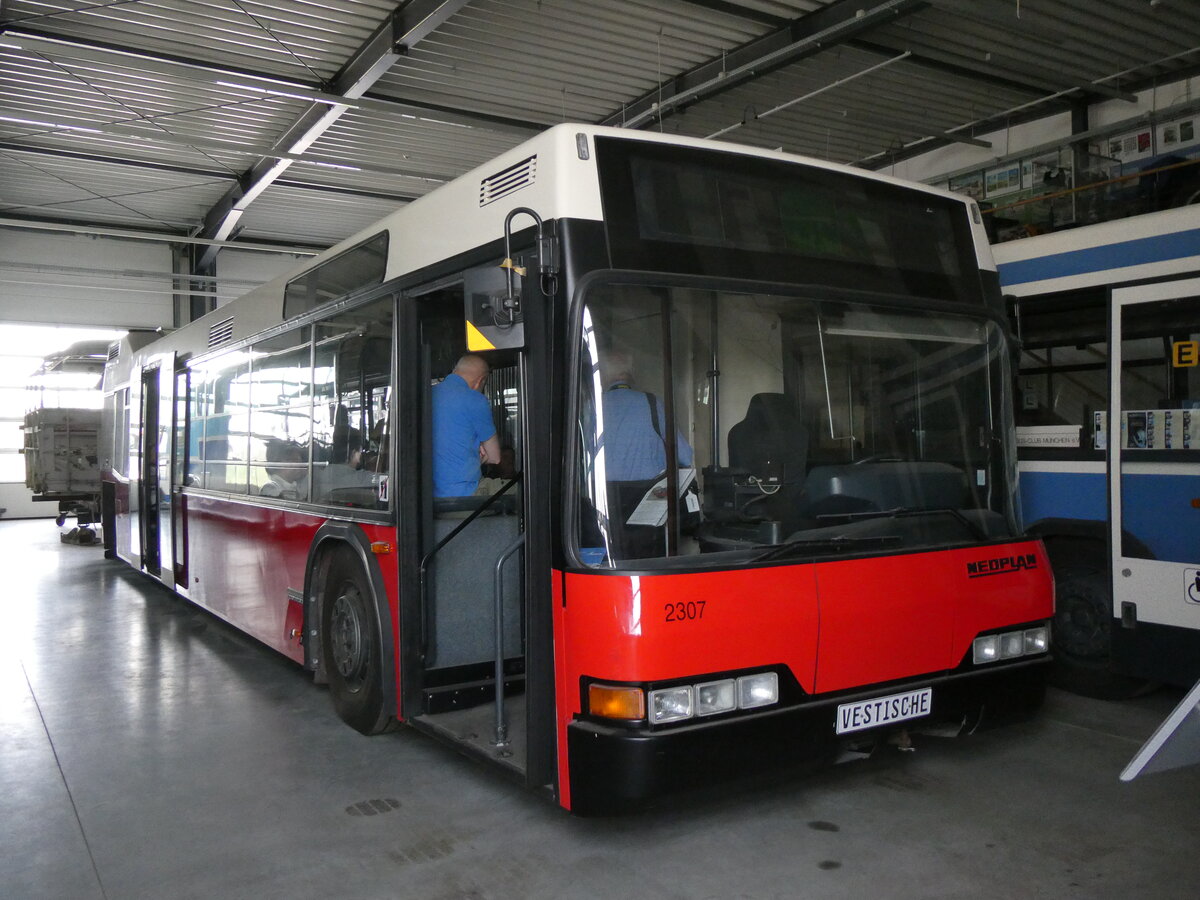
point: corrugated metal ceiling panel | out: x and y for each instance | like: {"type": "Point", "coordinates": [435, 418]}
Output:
{"type": "Point", "coordinates": [183, 94]}
{"type": "Point", "coordinates": [327, 217]}
{"type": "Point", "coordinates": [560, 61]}
{"type": "Point", "coordinates": [889, 106]}
{"type": "Point", "coordinates": [299, 40]}
{"type": "Point", "coordinates": [103, 192]}
{"type": "Point", "coordinates": [425, 148]}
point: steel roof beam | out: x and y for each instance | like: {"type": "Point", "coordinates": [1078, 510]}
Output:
{"type": "Point", "coordinates": [404, 28]}
{"type": "Point", "coordinates": [741, 12]}
{"type": "Point", "coordinates": [806, 36]}
{"type": "Point", "coordinates": [957, 67]}
{"type": "Point", "coordinates": [1031, 112]}
{"type": "Point", "coordinates": [1033, 79]}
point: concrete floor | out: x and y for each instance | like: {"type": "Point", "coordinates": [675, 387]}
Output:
{"type": "Point", "coordinates": [147, 750]}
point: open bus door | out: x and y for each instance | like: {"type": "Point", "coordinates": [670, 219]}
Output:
{"type": "Point", "coordinates": [1154, 471]}
{"type": "Point", "coordinates": [481, 616]}
{"type": "Point", "coordinates": [179, 456]}
{"type": "Point", "coordinates": [154, 500]}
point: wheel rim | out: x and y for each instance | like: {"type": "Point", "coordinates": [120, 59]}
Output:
{"type": "Point", "coordinates": [348, 638]}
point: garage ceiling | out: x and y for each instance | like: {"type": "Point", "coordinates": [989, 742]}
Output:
{"type": "Point", "coordinates": [298, 123]}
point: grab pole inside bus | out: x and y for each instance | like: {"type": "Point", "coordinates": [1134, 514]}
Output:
{"type": "Point", "coordinates": [501, 739]}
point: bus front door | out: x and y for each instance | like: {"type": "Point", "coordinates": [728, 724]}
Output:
{"type": "Point", "coordinates": [1153, 431]}
{"type": "Point", "coordinates": [471, 550]}
{"type": "Point", "coordinates": [148, 494]}
{"type": "Point", "coordinates": [154, 489]}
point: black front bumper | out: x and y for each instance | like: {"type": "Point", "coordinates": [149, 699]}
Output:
{"type": "Point", "coordinates": [615, 769]}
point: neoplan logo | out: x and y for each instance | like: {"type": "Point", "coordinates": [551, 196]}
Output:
{"type": "Point", "coordinates": [1000, 565]}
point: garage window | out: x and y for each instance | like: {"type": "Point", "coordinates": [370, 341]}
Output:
{"type": "Point", "coordinates": [23, 386]}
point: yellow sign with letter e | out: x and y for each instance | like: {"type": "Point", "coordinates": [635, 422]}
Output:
{"type": "Point", "coordinates": [1185, 354]}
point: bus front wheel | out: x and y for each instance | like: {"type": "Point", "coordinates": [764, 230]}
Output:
{"type": "Point", "coordinates": [1083, 622]}
{"type": "Point", "coordinates": [351, 646]}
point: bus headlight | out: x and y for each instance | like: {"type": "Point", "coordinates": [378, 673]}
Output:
{"type": "Point", "coordinates": [671, 704]}
{"type": "Point", "coordinates": [679, 702]}
{"type": "Point", "coordinates": [1037, 640]}
{"type": "Point", "coordinates": [757, 690]}
{"type": "Point", "coordinates": [716, 697]}
{"type": "Point", "coordinates": [1010, 644]}
{"type": "Point", "coordinates": [987, 648]}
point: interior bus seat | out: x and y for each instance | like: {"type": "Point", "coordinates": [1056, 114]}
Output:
{"type": "Point", "coordinates": [771, 443]}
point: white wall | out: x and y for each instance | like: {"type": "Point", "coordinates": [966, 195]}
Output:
{"type": "Point", "coordinates": [17, 502]}
{"type": "Point", "coordinates": [51, 278]}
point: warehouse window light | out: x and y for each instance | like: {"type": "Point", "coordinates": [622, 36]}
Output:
{"type": "Point", "coordinates": [27, 382]}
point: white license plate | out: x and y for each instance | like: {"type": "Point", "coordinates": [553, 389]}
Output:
{"type": "Point", "coordinates": [883, 710]}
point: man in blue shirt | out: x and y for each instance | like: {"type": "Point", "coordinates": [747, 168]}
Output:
{"type": "Point", "coordinates": [634, 450]}
{"type": "Point", "coordinates": [464, 435]}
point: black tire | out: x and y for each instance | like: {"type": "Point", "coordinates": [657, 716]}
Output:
{"type": "Point", "coordinates": [351, 647]}
{"type": "Point", "coordinates": [1083, 623]}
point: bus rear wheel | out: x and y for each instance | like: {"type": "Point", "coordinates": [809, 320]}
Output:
{"type": "Point", "coordinates": [351, 646]}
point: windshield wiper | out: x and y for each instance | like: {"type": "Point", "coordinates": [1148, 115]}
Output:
{"type": "Point", "coordinates": [899, 512]}
{"type": "Point", "coordinates": [828, 545]}
{"type": "Point", "coordinates": [974, 527]}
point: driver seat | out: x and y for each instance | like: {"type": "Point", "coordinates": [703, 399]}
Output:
{"type": "Point", "coordinates": [772, 442]}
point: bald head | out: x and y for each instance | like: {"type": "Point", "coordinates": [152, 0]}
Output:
{"type": "Point", "coordinates": [616, 367]}
{"type": "Point", "coordinates": [473, 369]}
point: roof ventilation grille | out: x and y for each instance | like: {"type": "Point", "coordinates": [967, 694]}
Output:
{"type": "Point", "coordinates": [114, 351]}
{"type": "Point", "coordinates": [507, 181]}
{"type": "Point", "coordinates": [221, 333]}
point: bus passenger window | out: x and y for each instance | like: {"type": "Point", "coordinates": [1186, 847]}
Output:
{"type": "Point", "coordinates": [281, 415]}
{"type": "Point", "coordinates": [217, 457]}
{"type": "Point", "coordinates": [351, 406]}
{"type": "Point", "coordinates": [359, 267]}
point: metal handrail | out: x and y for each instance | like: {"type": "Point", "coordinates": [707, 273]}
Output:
{"type": "Point", "coordinates": [501, 739]}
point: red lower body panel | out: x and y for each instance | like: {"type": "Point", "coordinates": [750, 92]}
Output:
{"type": "Point", "coordinates": [838, 626]}
{"type": "Point", "coordinates": [244, 559]}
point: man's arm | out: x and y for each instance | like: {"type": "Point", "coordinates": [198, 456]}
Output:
{"type": "Point", "coordinates": [489, 451]}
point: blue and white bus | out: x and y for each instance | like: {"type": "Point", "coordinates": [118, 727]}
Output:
{"type": "Point", "coordinates": [1109, 322]}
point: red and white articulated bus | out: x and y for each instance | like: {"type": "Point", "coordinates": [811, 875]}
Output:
{"type": "Point", "coordinates": [843, 556]}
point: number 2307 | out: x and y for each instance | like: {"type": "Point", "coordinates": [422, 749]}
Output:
{"type": "Point", "coordinates": [684, 612]}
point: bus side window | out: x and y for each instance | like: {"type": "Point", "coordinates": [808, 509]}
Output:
{"type": "Point", "coordinates": [281, 415]}
{"type": "Point", "coordinates": [230, 444]}
{"type": "Point", "coordinates": [351, 396]}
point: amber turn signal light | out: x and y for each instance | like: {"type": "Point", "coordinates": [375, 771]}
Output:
{"type": "Point", "coordinates": [615, 702]}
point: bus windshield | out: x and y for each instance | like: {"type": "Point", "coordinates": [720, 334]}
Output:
{"type": "Point", "coordinates": [785, 427]}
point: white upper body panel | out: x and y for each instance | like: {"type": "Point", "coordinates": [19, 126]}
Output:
{"type": "Point", "coordinates": [557, 178]}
